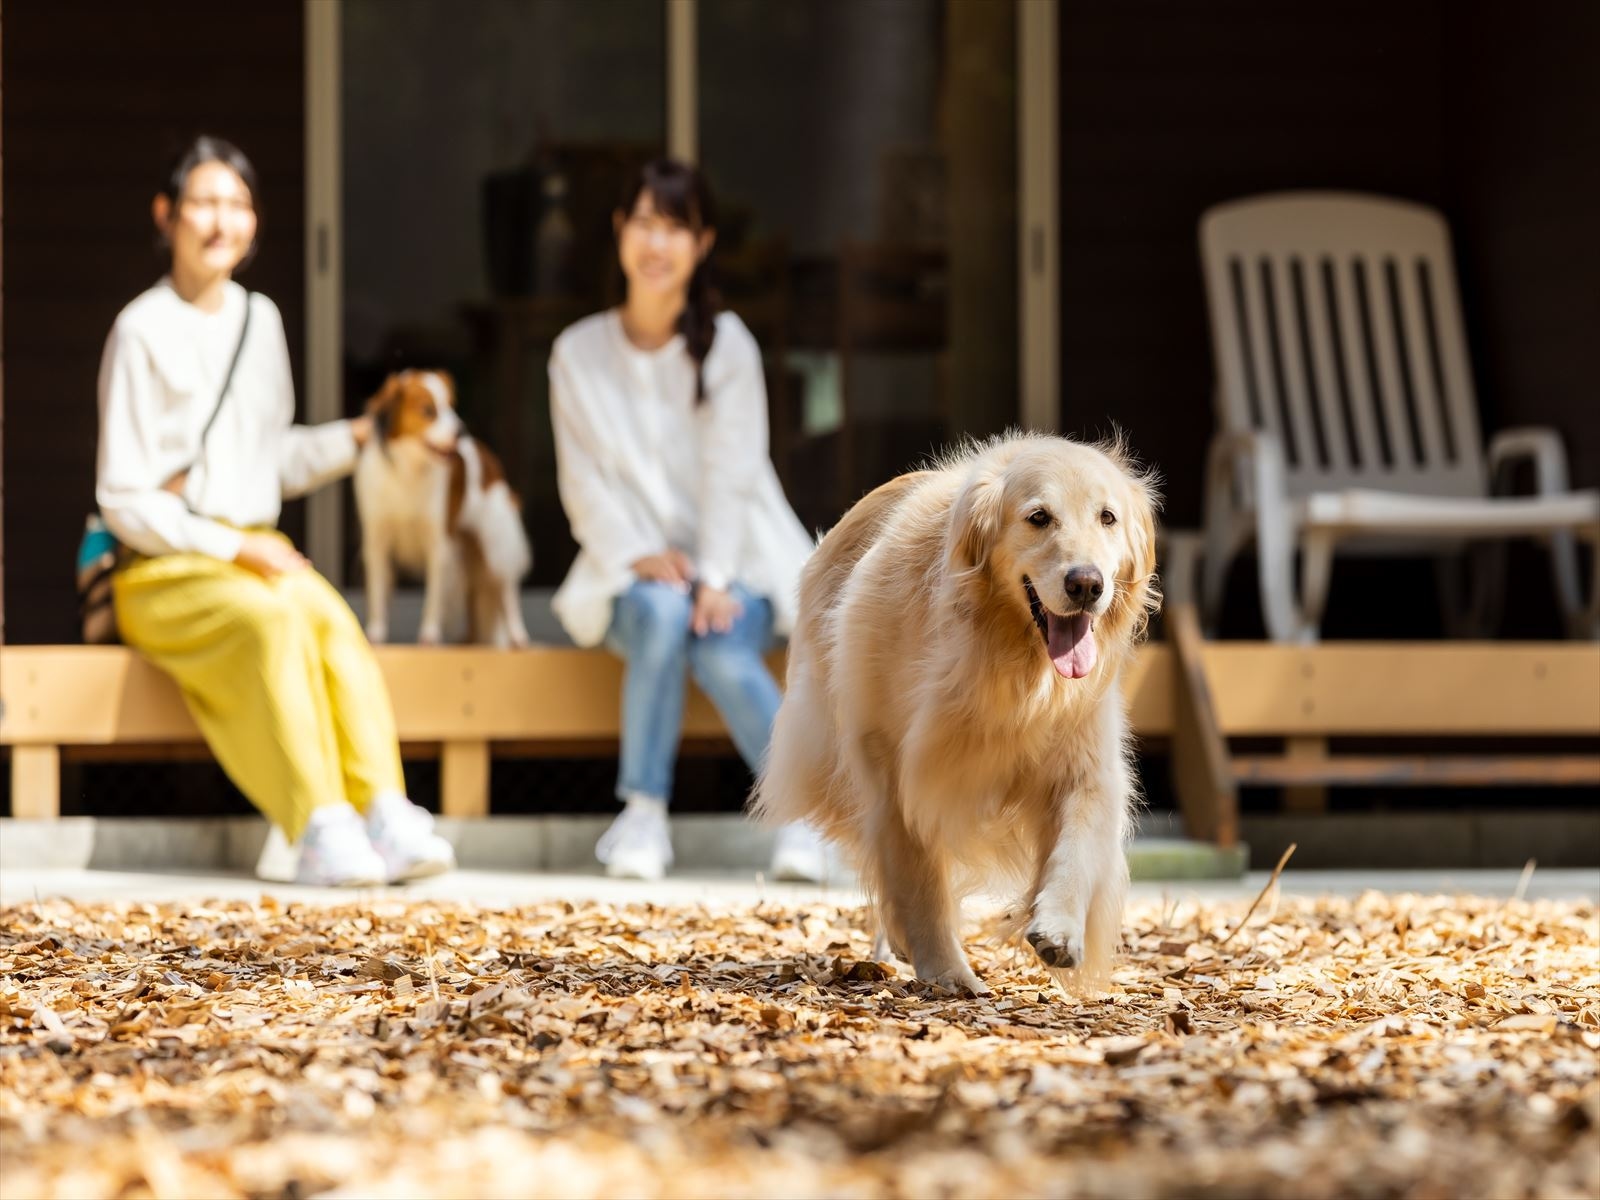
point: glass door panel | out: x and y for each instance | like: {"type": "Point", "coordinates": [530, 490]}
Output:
{"type": "Point", "coordinates": [483, 148]}
{"type": "Point", "coordinates": [864, 158]}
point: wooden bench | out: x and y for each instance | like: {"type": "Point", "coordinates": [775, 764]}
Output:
{"type": "Point", "coordinates": [456, 702]}
{"type": "Point", "coordinates": [465, 703]}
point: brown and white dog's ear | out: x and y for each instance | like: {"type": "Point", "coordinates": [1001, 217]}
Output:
{"type": "Point", "coordinates": [383, 406]}
{"type": "Point", "coordinates": [449, 382]}
{"type": "Point", "coordinates": [975, 519]}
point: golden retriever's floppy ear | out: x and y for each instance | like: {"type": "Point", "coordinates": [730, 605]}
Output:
{"type": "Point", "coordinates": [1138, 573]}
{"type": "Point", "coordinates": [975, 518]}
{"type": "Point", "coordinates": [1142, 530]}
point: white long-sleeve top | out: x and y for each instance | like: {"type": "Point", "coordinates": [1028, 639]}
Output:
{"type": "Point", "coordinates": [642, 468]}
{"type": "Point", "coordinates": [160, 377]}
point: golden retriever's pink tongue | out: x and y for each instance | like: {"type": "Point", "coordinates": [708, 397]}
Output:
{"type": "Point", "coordinates": [1071, 644]}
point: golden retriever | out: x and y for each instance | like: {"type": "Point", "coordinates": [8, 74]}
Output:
{"type": "Point", "coordinates": [952, 716]}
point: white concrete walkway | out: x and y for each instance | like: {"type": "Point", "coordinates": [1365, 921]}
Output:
{"type": "Point", "coordinates": [505, 888]}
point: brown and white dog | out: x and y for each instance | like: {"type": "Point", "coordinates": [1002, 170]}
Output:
{"type": "Point", "coordinates": [953, 716]}
{"type": "Point", "coordinates": [434, 502]}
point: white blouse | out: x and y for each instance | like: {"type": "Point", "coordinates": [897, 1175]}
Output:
{"type": "Point", "coordinates": [641, 467]}
{"type": "Point", "coordinates": [160, 376]}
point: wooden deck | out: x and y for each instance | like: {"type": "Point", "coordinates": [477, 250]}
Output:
{"type": "Point", "coordinates": [466, 703]}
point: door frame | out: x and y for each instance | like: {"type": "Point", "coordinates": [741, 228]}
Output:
{"type": "Point", "coordinates": [1038, 222]}
{"type": "Point", "coordinates": [324, 269]}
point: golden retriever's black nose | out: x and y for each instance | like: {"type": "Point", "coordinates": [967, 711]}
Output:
{"type": "Point", "coordinates": [1085, 584]}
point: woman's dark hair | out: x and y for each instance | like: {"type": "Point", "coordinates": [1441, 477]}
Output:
{"type": "Point", "coordinates": [681, 193]}
{"type": "Point", "coordinates": [206, 150]}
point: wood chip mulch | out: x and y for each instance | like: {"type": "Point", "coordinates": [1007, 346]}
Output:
{"type": "Point", "coordinates": [1388, 1046]}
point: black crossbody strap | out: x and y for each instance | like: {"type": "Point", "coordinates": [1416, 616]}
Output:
{"type": "Point", "coordinates": [227, 380]}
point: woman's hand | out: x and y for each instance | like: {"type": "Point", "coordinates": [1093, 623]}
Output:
{"type": "Point", "coordinates": [269, 556]}
{"type": "Point", "coordinates": [714, 611]}
{"type": "Point", "coordinates": [671, 567]}
{"type": "Point", "coordinates": [361, 430]}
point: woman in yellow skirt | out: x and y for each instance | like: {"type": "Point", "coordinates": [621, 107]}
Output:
{"type": "Point", "coordinates": [198, 451]}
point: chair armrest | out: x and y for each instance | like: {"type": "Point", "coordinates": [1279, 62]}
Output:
{"type": "Point", "coordinates": [1242, 466]}
{"type": "Point", "coordinates": [1247, 495]}
{"type": "Point", "coordinates": [1540, 446]}
{"type": "Point", "coordinates": [1178, 555]}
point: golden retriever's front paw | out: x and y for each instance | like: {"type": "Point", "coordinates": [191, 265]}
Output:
{"type": "Point", "coordinates": [959, 979]}
{"type": "Point", "coordinates": [1055, 948]}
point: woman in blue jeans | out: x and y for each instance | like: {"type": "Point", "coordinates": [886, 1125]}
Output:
{"type": "Point", "coordinates": [690, 555]}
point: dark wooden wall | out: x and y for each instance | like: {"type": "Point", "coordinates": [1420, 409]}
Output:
{"type": "Point", "coordinates": [1489, 111]}
{"type": "Point", "coordinates": [1168, 108]}
{"type": "Point", "coordinates": [98, 97]}
{"type": "Point", "coordinates": [1522, 154]}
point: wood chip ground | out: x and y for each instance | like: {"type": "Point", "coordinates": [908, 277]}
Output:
{"type": "Point", "coordinates": [1387, 1046]}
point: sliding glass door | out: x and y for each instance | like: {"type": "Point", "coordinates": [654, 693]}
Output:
{"type": "Point", "coordinates": [865, 156]}
{"type": "Point", "coordinates": [864, 153]}
{"type": "Point", "coordinates": [482, 147]}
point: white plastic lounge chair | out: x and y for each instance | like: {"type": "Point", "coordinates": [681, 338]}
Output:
{"type": "Point", "coordinates": [1347, 416]}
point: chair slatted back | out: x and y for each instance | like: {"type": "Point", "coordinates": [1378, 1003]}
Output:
{"type": "Point", "coordinates": [1336, 325]}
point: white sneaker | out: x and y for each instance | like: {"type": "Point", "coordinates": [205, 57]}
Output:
{"type": "Point", "coordinates": [638, 845]}
{"type": "Point", "coordinates": [402, 834]}
{"type": "Point", "coordinates": [335, 852]}
{"type": "Point", "coordinates": [800, 854]}
{"type": "Point", "coordinates": [278, 860]}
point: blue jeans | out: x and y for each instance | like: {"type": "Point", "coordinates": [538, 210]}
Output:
{"type": "Point", "coordinates": [650, 632]}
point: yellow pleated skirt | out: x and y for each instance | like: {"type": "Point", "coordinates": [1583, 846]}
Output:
{"type": "Point", "coordinates": [278, 674]}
